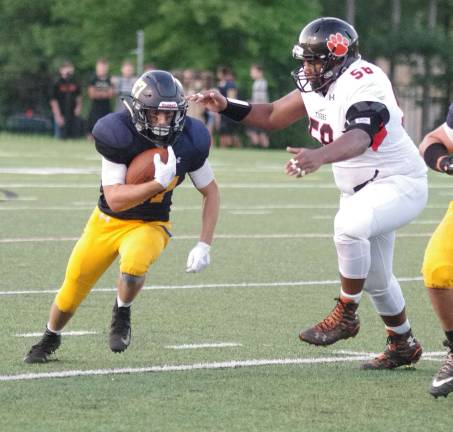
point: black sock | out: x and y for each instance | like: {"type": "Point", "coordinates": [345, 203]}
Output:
{"type": "Point", "coordinates": [51, 333]}
{"type": "Point", "coordinates": [449, 335]}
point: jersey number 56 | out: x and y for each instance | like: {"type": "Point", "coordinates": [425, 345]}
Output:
{"type": "Point", "coordinates": [321, 132]}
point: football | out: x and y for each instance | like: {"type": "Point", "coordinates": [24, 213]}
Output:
{"type": "Point", "coordinates": [141, 169]}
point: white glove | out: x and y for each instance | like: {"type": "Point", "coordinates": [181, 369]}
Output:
{"type": "Point", "coordinates": [198, 258]}
{"type": "Point", "coordinates": [164, 173]}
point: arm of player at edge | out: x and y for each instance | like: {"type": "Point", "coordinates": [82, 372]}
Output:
{"type": "Point", "coordinates": [271, 116]}
{"type": "Point", "coordinates": [351, 144]}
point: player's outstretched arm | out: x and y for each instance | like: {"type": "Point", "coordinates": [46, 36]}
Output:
{"type": "Point", "coordinates": [305, 161]}
{"type": "Point", "coordinates": [211, 99]}
{"type": "Point", "coordinates": [271, 116]}
{"type": "Point", "coordinates": [199, 257]}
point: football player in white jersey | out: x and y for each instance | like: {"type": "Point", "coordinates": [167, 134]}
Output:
{"type": "Point", "coordinates": [437, 150]}
{"type": "Point", "coordinates": [354, 115]}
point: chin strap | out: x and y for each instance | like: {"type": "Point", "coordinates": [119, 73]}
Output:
{"type": "Point", "coordinates": [129, 108]}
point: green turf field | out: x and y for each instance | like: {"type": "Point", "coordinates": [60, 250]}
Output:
{"type": "Point", "coordinates": [215, 351]}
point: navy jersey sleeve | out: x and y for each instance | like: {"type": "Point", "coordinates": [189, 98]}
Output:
{"type": "Point", "coordinates": [112, 139]}
{"type": "Point", "coordinates": [450, 117]}
{"type": "Point", "coordinates": [201, 140]}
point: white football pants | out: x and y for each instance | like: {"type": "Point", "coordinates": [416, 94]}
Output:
{"type": "Point", "coordinates": [365, 228]}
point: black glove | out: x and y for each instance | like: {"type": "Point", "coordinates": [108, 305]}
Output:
{"type": "Point", "coordinates": [446, 164]}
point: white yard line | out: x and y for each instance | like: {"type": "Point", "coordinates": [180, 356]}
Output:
{"type": "Point", "coordinates": [68, 333]}
{"type": "Point", "coordinates": [49, 171]}
{"type": "Point", "coordinates": [209, 286]}
{"type": "Point", "coordinates": [37, 239]}
{"type": "Point", "coordinates": [46, 208]}
{"type": "Point", "coordinates": [177, 208]}
{"type": "Point", "coordinates": [226, 185]}
{"type": "Point", "coordinates": [249, 212]}
{"type": "Point", "coordinates": [233, 364]}
{"type": "Point", "coordinates": [218, 237]}
{"type": "Point", "coordinates": [204, 345]}
{"type": "Point", "coordinates": [372, 354]}
{"type": "Point", "coordinates": [231, 207]}
{"type": "Point", "coordinates": [19, 198]}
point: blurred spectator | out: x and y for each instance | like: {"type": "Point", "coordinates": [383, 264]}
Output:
{"type": "Point", "coordinates": [207, 81]}
{"type": "Point", "coordinates": [123, 84]}
{"type": "Point", "coordinates": [259, 95]}
{"type": "Point", "coordinates": [149, 67]}
{"type": "Point", "coordinates": [66, 103]}
{"type": "Point", "coordinates": [192, 83]}
{"type": "Point", "coordinates": [100, 91]}
{"type": "Point", "coordinates": [228, 128]}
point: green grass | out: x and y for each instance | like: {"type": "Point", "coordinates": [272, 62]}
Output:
{"type": "Point", "coordinates": [257, 199]}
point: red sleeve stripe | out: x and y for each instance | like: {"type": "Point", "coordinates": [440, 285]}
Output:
{"type": "Point", "coordinates": [378, 138]}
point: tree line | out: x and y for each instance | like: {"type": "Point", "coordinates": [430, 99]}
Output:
{"type": "Point", "coordinates": [202, 34]}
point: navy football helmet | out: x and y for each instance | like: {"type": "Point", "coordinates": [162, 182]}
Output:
{"type": "Point", "coordinates": [331, 42]}
{"type": "Point", "coordinates": [156, 92]}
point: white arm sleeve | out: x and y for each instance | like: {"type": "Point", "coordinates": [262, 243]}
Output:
{"type": "Point", "coordinates": [449, 131]}
{"type": "Point", "coordinates": [202, 176]}
{"type": "Point", "coordinates": [112, 173]}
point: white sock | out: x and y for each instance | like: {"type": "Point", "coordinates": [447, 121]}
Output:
{"type": "Point", "coordinates": [354, 298]}
{"type": "Point", "coordinates": [401, 329]}
{"type": "Point", "coordinates": [121, 303]}
{"type": "Point", "coordinates": [53, 331]}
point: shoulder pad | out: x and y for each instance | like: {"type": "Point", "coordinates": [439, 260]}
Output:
{"type": "Point", "coordinates": [198, 135]}
{"type": "Point", "coordinates": [113, 138]}
{"type": "Point", "coordinates": [368, 108]}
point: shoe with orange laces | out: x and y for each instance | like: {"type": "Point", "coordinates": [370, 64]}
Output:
{"type": "Point", "coordinates": [401, 350]}
{"type": "Point", "coordinates": [341, 323]}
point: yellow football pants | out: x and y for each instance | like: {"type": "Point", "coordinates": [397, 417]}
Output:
{"type": "Point", "coordinates": [438, 263]}
{"type": "Point", "coordinates": [139, 244]}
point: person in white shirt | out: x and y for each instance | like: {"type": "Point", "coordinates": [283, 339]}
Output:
{"type": "Point", "coordinates": [354, 115]}
{"type": "Point", "coordinates": [258, 137]}
{"type": "Point", "coordinates": [123, 84]}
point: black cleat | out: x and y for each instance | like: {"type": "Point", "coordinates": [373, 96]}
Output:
{"type": "Point", "coordinates": [402, 350]}
{"type": "Point", "coordinates": [341, 323]}
{"type": "Point", "coordinates": [40, 352]}
{"type": "Point", "coordinates": [120, 329]}
{"type": "Point", "coordinates": [442, 383]}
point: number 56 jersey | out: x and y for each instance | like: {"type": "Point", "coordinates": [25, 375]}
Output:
{"type": "Point", "coordinates": [392, 152]}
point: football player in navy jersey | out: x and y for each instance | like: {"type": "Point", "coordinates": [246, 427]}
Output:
{"type": "Point", "coordinates": [354, 116]}
{"type": "Point", "coordinates": [133, 220]}
{"type": "Point", "coordinates": [437, 150]}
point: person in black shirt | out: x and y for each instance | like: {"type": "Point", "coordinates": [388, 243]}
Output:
{"type": "Point", "coordinates": [100, 91]}
{"type": "Point", "coordinates": [228, 129]}
{"type": "Point", "coordinates": [66, 103]}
